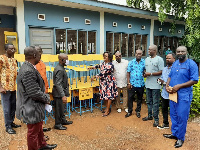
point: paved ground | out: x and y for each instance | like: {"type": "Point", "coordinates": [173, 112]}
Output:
{"type": "Point", "coordinates": [91, 131]}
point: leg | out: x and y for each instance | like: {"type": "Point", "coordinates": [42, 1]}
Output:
{"type": "Point", "coordinates": [125, 98]}
{"type": "Point", "coordinates": [174, 118]}
{"type": "Point", "coordinates": [156, 100]}
{"type": "Point", "coordinates": [139, 92]}
{"type": "Point", "coordinates": [149, 101]}
{"type": "Point", "coordinates": [108, 107]}
{"type": "Point", "coordinates": [33, 136]}
{"type": "Point", "coordinates": [41, 138]}
{"type": "Point", "coordinates": [165, 105]}
{"type": "Point", "coordinates": [131, 94]}
{"type": "Point", "coordinates": [13, 105]}
{"type": "Point", "coordinates": [118, 98]}
{"type": "Point", "coordinates": [5, 99]}
{"type": "Point", "coordinates": [183, 110]}
{"type": "Point", "coordinates": [59, 111]}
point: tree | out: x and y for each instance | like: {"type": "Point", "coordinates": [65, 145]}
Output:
{"type": "Point", "coordinates": [187, 10]}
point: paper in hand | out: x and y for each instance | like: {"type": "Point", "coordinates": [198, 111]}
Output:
{"type": "Point", "coordinates": [173, 97]}
{"type": "Point", "coordinates": [48, 107]}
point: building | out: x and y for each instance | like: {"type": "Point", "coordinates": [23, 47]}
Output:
{"type": "Point", "coordinates": [85, 26]}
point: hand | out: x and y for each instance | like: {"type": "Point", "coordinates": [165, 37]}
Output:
{"type": "Point", "coordinates": [162, 81]}
{"type": "Point", "coordinates": [169, 89]}
{"type": "Point", "coordinates": [176, 88]}
{"type": "Point", "coordinates": [64, 99]}
{"type": "Point", "coordinates": [2, 90]}
{"type": "Point", "coordinates": [129, 86]}
{"type": "Point", "coordinates": [146, 74]}
{"type": "Point", "coordinates": [91, 67]}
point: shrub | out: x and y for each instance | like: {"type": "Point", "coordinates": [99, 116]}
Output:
{"type": "Point", "coordinates": [195, 105]}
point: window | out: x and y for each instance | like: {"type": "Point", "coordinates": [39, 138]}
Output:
{"type": "Point", "coordinates": [109, 42]}
{"type": "Point", "coordinates": [131, 45]}
{"type": "Point", "coordinates": [41, 16]}
{"type": "Point", "coordinates": [71, 41]}
{"type": "Point", "coordinates": [117, 42]}
{"type": "Point", "coordinates": [124, 46]}
{"type": "Point", "coordinates": [66, 19]}
{"type": "Point", "coordinates": [60, 41]}
{"type": "Point", "coordinates": [91, 42]}
{"type": "Point", "coordinates": [87, 21]}
{"type": "Point", "coordinates": [144, 44]}
{"type": "Point", "coordinates": [82, 42]}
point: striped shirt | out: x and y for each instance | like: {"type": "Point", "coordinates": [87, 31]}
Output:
{"type": "Point", "coordinates": [8, 73]}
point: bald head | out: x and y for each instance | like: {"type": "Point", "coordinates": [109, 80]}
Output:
{"type": "Point", "coordinates": [182, 48]}
{"type": "Point", "coordinates": [152, 50]}
{"type": "Point", "coordinates": [118, 56]}
{"type": "Point", "coordinates": [32, 55]}
{"type": "Point", "coordinates": [139, 51]}
{"type": "Point", "coordinates": [62, 59]}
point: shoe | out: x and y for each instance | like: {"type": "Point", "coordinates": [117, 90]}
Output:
{"type": "Point", "coordinates": [60, 127]}
{"type": "Point", "coordinates": [46, 137]}
{"type": "Point", "coordinates": [103, 111]}
{"type": "Point", "coordinates": [13, 125]}
{"type": "Point", "coordinates": [128, 115]}
{"type": "Point", "coordinates": [147, 118]}
{"type": "Point", "coordinates": [178, 143]}
{"type": "Point", "coordinates": [46, 129]}
{"type": "Point", "coordinates": [49, 147]}
{"type": "Point", "coordinates": [138, 114]}
{"type": "Point", "coordinates": [119, 110]}
{"type": "Point", "coordinates": [104, 115]}
{"type": "Point", "coordinates": [126, 110]}
{"type": "Point", "coordinates": [164, 126]}
{"type": "Point", "coordinates": [170, 136]}
{"type": "Point", "coordinates": [67, 123]}
{"type": "Point", "coordinates": [156, 123]}
{"type": "Point", "coordinates": [10, 131]}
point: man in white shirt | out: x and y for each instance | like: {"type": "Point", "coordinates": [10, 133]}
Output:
{"type": "Point", "coordinates": [120, 73]}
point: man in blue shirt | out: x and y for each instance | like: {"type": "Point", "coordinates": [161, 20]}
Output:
{"type": "Point", "coordinates": [184, 74]}
{"type": "Point", "coordinates": [135, 81]}
{"type": "Point", "coordinates": [170, 58]}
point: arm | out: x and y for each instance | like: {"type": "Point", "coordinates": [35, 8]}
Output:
{"type": "Point", "coordinates": [146, 74]}
{"type": "Point", "coordinates": [58, 81]}
{"type": "Point", "coordinates": [33, 89]}
{"type": "Point", "coordinates": [128, 80]}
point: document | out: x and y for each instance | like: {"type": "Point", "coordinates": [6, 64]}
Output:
{"type": "Point", "coordinates": [173, 97]}
{"type": "Point", "coordinates": [48, 107]}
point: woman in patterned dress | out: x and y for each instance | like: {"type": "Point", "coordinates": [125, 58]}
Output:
{"type": "Point", "coordinates": [107, 87]}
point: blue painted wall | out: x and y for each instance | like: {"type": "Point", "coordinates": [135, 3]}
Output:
{"type": "Point", "coordinates": [7, 21]}
{"type": "Point", "coordinates": [54, 18]}
{"type": "Point", "coordinates": [165, 29]}
{"type": "Point", "coordinates": [122, 25]}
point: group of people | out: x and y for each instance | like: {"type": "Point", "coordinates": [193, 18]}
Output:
{"type": "Point", "coordinates": [115, 76]}
{"type": "Point", "coordinates": [177, 77]}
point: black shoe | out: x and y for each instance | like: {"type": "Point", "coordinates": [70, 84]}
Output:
{"type": "Point", "coordinates": [164, 126]}
{"type": "Point", "coordinates": [49, 147]}
{"type": "Point", "coordinates": [147, 118]}
{"type": "Point", "coordinates": [10, 131]}
{"type": "Point", "coordinates": [178, 143]}
{"type": "Point", "coordinates": [60, 127]}
{"type": "Point", "coordinates": [170, 136]}
{"type": "Point", "coordinates": [13, 125]}
{"type": "Point", "coordinates": [67, 123]}
{"type": "Point", "coordinates": [128, 115]}
{"type": "Point", "coordinates": [138, 114]}
{"type": "Point", "coordinates": [46, 129]}
{"type": "Point", "coordinates": [156, 123]}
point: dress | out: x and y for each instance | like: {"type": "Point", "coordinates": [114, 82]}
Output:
{"type": "Point", "coordinates": [108, 86]}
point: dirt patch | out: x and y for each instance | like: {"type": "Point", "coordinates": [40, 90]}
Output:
{"type": "Point", "coordinates": [91, 131]}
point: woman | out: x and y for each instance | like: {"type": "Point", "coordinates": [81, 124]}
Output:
{"type": "Point", "coordinates": [107, 88]}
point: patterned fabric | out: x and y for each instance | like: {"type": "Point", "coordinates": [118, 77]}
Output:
{"type": "Point", "coordinates": [108, 87]}
{"type": "Point", "coordinates": [41, 68]}
{"type": "Point", "coordinates": [136, 72]}
{"type": "Point", "coordinates": [8, 73]}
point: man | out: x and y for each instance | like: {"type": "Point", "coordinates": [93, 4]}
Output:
{"type": "Point", "coordinates": [170, 58]}
{"type": "Point", "coordinates": [135, 79]}
{"type": "Point", "coordinates": [120, 69]}
{"type": "Point", "coordinates": [8, 75]}
{"type": "Point", "coordinates": [168, 51]}
{"type": "Point", "coordinates": [60, 92]}
{"type": "Point", "coordinates": [41, 68]}
{"type": "Point", "coordinates": [154, 65]}
{"type": "Point", "coordinates": [31, 100]}
{"type": "Point", "coordinates": [183, 75]}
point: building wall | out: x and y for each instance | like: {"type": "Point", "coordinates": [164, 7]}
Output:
{"type": "Point", "coordinates": [165, 29]}
{"type": "Point", "coordinates": [54, 18]}
{"type": "Point", "coordinates": [7, 21]}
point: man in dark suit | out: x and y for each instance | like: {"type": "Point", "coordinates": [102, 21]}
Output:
{"type": "Point", "coordinates": [60, 92]}
{"type": "Point", "coordinates": [31, 100]}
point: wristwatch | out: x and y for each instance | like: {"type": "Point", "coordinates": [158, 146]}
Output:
{"type": "Point", "coordinates": [151, 74]}
{"type": "Point", "coordinates": [128, 83]}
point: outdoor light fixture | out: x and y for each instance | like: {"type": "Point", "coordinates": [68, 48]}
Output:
{"type": "Point", "coordinates": [160, 29]}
